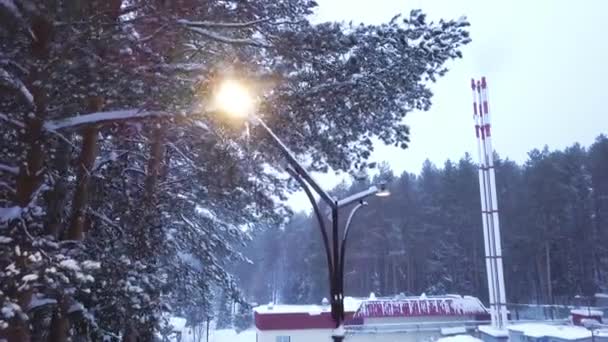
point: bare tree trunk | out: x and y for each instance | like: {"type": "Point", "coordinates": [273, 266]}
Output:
{"type": "Point", "coordinates": [542, 287]}
{"type": "Point", "coordinates": [60, 323]}
{"type": "Point", "coordinates": [130, 335]}
{"type": "Point", "coordinates": [81, 195]}
{"type": "Point", "coordinates": [548, 266]}
{"type": "Point", "coordinates": [395, 289]}
{"type": "Point", "coordinates": [157, 151]}
{"type": "Point", "coordinates": [56, 198]}
{"type": "Point", "coordinates": [30, 177]}
{"type": "Point", "coordinates": [386, 276]}
{"type": "Point", "coordinates": [148, 229]}
{"type": "Point", "coordinates": [476, 281]}
{"type": "Point", "coordinates": [410, 273]}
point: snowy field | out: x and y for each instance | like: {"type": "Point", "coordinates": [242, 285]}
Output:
{"type": "Point", "coordinates": [249, 336]}
{"type": "Point", "coordinates": [460, 338]}
{"type": "Point", "coordinates": [225, 335]}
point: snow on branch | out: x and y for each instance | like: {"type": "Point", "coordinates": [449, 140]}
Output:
{"type": "Point", "coordinates": [10, 213]}
{"type": "Point", "coordinates": [176, 67]}
{"type": "Point", "coordinates": [100, 117]}
{"type": "Point", "coordinates": [7, 187]}
{"type": "Point", "coordinates": [107, 220]}
{"type": "Point", "coordinates": [221, 24]}
{"type": "Point", "coordinates": [17, 123]}
{"type": "Point", "coordinates": [9, 169]}
{"type": "Point", "coordinates": [16, 84]}
{"type": "Point", "coordinates": [11, 7]}
{"type": "Point", "coordinates": [326, 86]}
{"type": "Point", "coordinates": [228, 40]}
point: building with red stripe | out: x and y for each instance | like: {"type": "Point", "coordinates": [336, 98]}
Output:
{"type": "Point", "coordinates": [404, 318]}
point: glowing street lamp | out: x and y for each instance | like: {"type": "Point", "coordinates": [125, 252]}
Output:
{"type": "Point", "coordinates": [235, 99]}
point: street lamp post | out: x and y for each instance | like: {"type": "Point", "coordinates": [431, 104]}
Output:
{"type": "Point", "coordinates": [235, 99]}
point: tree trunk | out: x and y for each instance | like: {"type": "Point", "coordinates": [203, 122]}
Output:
{"type": "Point", "coordinates": [548, 261]}
{"type": "Point", "coordinates": [386, 275]}
{"type": "Point", "coordinates": [540, 273]}
{"type": "Point", "coordinates": [60, 323]}
{"type": "Point", "coordinates": [56, 198]}
{"type": "Point", "coordinates": [86, 162]}
{"type": "Point", "coordinates": [155, 161]}
{"type": "Point", "coordinates": [395, 286]}
{"type": "Point", "coordinates": [476, 277]}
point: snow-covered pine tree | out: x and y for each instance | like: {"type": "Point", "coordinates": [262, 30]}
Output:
{"type": "Point", "coordinates": [93, 187]}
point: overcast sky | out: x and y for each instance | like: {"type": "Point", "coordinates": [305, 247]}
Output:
{"type": "Point", "coordinates": [546, 65]}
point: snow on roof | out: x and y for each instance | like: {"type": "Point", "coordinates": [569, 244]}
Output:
{"type": "Point", "coordinates": [492, 331]}
{"type": "Point", "coordinates": [421, 306]}
{"type": "Point", "coordinates": [459, 338]}
{"type": "Point", "coordinates": [350, 305]}
{"type": "Point", "coordinates": [601, 295]}
{"type": "Point", "coordinates": [546, 330]}
{"type": "Point", "coordinates": [601, 333]}
{"type": "Point", "coordinates": [587, 312]}
{"type": "Point", "coordinates": [453, 330]}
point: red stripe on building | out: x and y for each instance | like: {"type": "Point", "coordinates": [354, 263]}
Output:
{"type": "Point", "coordinates": [295, 321]}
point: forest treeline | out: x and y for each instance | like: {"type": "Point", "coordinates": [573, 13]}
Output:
{"type": "Point", "coordinates": [427, 237]}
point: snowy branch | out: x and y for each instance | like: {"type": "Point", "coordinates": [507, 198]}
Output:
{"type": "Point", "coordinates": [65, 139]}
{"type": "Point", "coordinates": [107, 221]}
{"type": "Point", "coordinates": [98, 118]}
{"type": "Point", "coordinates": [228, 40]}
{"type": "Point", "coordinates": [153, 34]}
{"type": "Point", "coordinates": [180, 67]}
{"type": "Point", "coordinates": [215, 24]}
{"type": "Point", "coordinates": [132, 169]}
{"type": "Point", "coordinates": [8, 187]}
{"type": "Point", "coordinates": [112, 157]}
{"type": "Point", "coordinates": [11, 7]}
{"type": "Point", "coordinates": [325, 86]}
{"type": "Point", "coordinates": [5, 61]}
{"type": "Point", "coordinates": [221, 24]}
{"type": "Point", "coordinates": [16, 84]}
{"type": "Point", "coordinates": [9, 169]}
{"type": "Point", "coordinates": [10, 213]}
{"type": "Point", "coordinates": [17, 123]}
{"type": "Point", "coordinates": [172, 145]}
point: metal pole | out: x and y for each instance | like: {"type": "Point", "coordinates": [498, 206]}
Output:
{"type": "Point", "coordinates": [336, 259]}
{"type": "Point", "coordinates": [293, 162]}
{"type": "Point", "coordinates": [315, 208]}
{"type": "Point", "coordinates": [336, 254]}
{"type": "Point", "coordinates": [343, 250]}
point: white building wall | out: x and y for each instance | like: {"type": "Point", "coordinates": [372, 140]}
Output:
{"type": "Point", "coordinates": [308, 335]}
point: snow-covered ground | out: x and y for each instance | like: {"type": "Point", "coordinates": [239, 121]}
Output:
{"type": "Point", "coordinates": [249, 336]}
{"type": "Point", "coordinates": [225, 335]}
{"type": "Point", "coordinates": [459, 338]}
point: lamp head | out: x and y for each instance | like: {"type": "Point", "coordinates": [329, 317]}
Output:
{"type": "Point", "coordinates": [234, 98]}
